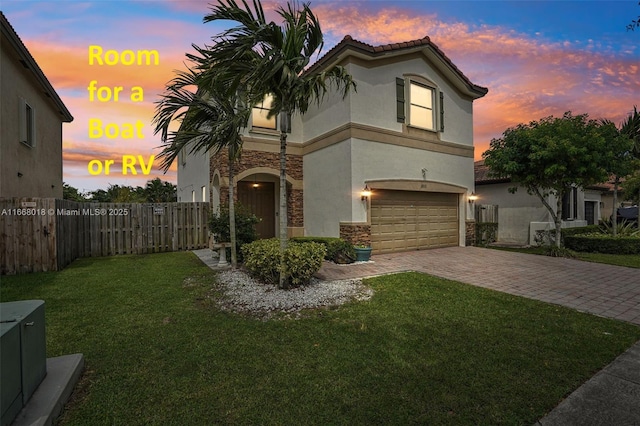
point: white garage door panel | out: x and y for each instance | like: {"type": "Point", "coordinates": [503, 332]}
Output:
{"type": "Point", "coordinates": [404, 220]}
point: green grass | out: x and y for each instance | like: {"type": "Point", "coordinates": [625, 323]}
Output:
{"type": "Point", "coordinates": [629, 260]}
{"type": "Point", "coordinates": [422, 351]}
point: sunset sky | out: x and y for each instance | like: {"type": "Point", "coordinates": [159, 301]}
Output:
{"type": "Point", "coordinates": [538, 58]}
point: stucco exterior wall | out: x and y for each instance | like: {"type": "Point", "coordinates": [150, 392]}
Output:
{"type": "Point", "coordinates": [329, 190]}
{"type": "Point", "coordinates": [193, 174]}
{"type": "Point", "coordinates": [515, 211]}
{"type": "Point", "coordinates": [331, 114]}
{"type": "Point", "coordinates": [335, 176]}
{"type": "Point", "coordinates": [374, 103]}
{"type": "Point", "coordinates": [40, 166]}
{"type": "Point", "coordinates": [520, 215]}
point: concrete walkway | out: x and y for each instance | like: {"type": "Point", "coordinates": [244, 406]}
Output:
{"type": "Point", "coordinates": [612, 396]}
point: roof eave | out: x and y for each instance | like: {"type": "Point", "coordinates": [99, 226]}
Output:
{"type": "Point", "coordinates": [30, 64]}
{"type": "Point", "coordinates": [349, 47]}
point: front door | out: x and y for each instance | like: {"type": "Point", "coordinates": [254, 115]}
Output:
{"type": "Point", "coordinates": [590, 212]}
{"type": "Point", "coordinates": [259, 198]}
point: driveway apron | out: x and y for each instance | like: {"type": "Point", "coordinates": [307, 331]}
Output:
{"type": "Point", "coordinates": [605, 290]}
{"type": "Point", "coordinates": [612, 396]}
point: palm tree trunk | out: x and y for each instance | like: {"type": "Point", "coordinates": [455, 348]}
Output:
{"type": "Point", "coordinates": [558, 220]}
{"type": "Point", "coordinates": [614, 220]}
{"type": "Point", "coordinates": [283, 197]}
{"type": "Point", "coordinates": [232, 211]}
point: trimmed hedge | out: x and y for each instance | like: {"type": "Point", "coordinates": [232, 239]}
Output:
{"type": "Point", "coordinates": [548, 237]}
{"type": "Point", "coordinates": [338, 250]}
{"type": "Point", "coordinates": [301, 261]}
{"type": "Point", "coordinates": [601, 243]}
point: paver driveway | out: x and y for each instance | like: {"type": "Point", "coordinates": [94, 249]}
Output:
{"type": "Point", "coordinates": [606, 290]}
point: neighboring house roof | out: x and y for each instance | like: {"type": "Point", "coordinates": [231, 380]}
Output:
{"type": "Point", "coordinates": [607, 186]}
{"type": "Point", "coordinates": [350, 47]}
{"type": "Point", "coordinates": [31, 65]}
{"type": "Point", "coordinates": [481, 176]}
{"type": "Point", "coordinates": [481, 173]}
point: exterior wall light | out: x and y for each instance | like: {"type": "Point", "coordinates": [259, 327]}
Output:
{"type": "Point", "coordinates": [366, 193]}
{"type": "Point", "coordinates": [472, 198]}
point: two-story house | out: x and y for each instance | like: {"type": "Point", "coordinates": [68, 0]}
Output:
{"type": "Point", "coordinates": [406, 135]}
{"type": "Point", "coordinates": [31, 117]}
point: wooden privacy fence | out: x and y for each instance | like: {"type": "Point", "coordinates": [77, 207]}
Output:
{"type": "Point", "coordinates": [46, 234]}
{"type": "Point", "coordinates": [487, 213]}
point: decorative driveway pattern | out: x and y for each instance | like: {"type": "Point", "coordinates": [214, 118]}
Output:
{"type": "Point", "coordinates": [605, 290]}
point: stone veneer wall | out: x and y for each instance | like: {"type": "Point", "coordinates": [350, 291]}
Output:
{"type": "Point", "coordinates": [252, 159]}
{"type": "Point", "coordinates": [470, 234]}
{"type": "Point", "coordinates": [356, 233]}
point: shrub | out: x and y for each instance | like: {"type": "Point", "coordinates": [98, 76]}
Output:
{"type": "Point", "coordinates": [262, 260]}
{"type": "Point", "coordinates": [623, 228]}
{"type": "Point", "coordinates": [245, 226]}
{"type": "Point", "coordinates": [301, 261]}
{"type": "Point", "coordinates": [486, 233]}
{"type": "Point", "coordinates": [338, 250]}
{"type": "Point", "coordinates": [601, 243]}
{"type": "Point", "coordinates": [548, 237]}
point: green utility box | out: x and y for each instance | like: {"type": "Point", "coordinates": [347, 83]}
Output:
{"type": "Point", "coordinates": [23, 356]}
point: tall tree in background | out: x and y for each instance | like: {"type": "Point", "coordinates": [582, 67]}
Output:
{"type": "Point", "coordinates": [71, 193]}
{"type": "Point", "coordinates": [549, 156]}
{"type": "Point", "coordinates": [270, 59]}
{"type": "Point", "coordinates": [157, 191]}
{"type": "Point", "coordinates": [209, 122]}
{"type": "Point", "coordinates": [623, 143]}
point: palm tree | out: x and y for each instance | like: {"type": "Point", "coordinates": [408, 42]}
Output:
{"type": "Point", "coordinates": [209, 123]}
{"type": "Point", "coordinates": [631, 129]}
{"type": "Point", "coordinates": [623, 145]}
{"type": "Point", "coordinates": [270, 59]}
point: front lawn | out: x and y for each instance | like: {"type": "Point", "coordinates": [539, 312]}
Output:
{"type": "Point", "coordinates": [629, 260]}
{"type": "Point", "coordinates": [422, 350]}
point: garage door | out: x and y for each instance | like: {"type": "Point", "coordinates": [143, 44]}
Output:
{"type": "Point", "coordinates": [407, 220]}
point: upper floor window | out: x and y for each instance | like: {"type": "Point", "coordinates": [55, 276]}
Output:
{"type": "Point", "coordinates": [27, 124]}
{"type": "Point", "coordinates": [419, 104]}
{"type": "Point", "coordinates": [421, 113]}
{"type": "Point", "coordinates": [261, 111]}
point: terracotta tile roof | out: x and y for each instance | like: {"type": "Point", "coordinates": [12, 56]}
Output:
{"type": "Point", "coordinates": [481, 173]}
{"type": "Point", "coordinates": [350, 43]}
{"type": "Point", "coordinates": [606, 186]}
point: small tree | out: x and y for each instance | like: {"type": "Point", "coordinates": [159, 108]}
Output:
{"type": "Point", "coordinates": [549, 156]}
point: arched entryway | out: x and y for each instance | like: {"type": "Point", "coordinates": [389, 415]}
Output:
{"type": "Point", "coordinates": [259, 194]}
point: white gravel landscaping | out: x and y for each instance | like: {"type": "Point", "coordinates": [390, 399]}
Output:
{"type": "Point", "coordinates": [241, 293]}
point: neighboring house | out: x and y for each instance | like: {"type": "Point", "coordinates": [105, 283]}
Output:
{"type": "Point", "coordinates": [406, 134]}
{"type": "Point", "coordinates": [520, 215]}
{"type": "Point", "coordinates": [31, 118]}
{"type": "Point", "coordinates": [606, 206]}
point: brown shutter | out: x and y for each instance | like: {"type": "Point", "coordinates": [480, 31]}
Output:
{"type": "Point", "coordinates": [400, 100]}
